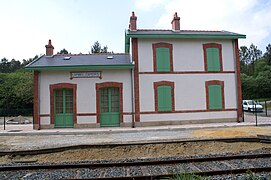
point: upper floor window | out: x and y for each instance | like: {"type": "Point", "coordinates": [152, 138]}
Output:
{"type": "Point", "coordinates": [212, 57]}
{"type": "Point", "coordinates": [164, 96]}
{"type": "Point", "coordinates": [162, 57]}
{"type": "Point", "coordinates": [215, 95]}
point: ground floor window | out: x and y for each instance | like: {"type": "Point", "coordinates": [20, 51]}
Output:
{"type": "Point", "coordinates": [215, 95]}
{"type": "Point", "coordinates": [164, 96]}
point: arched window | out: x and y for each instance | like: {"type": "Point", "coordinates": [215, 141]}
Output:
{"type": "Point", "coordinates": [215, 95]}
{"type": "Point", "coordinates": [162, 57]}
{"type": "Point", "coordinates": [212, 57]}
{"type": "Point", "coordinates": [164, 96]}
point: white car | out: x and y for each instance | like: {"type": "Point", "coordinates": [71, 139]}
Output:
{"type": "Point", "coordinates": [249, 105]}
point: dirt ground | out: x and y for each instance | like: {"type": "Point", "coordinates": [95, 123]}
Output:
{"type": "Point", "coordinates": [141, 151]}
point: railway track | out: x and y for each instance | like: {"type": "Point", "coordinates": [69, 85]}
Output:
{"type": "Point", "coordinates": [143, 169]}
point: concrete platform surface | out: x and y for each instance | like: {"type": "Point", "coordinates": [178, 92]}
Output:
{"type": "Point", "coordinates": [23, 137]}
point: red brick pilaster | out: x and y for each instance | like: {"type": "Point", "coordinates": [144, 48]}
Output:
{"type": "Point", "coordinates": [36, 99]}
{"type": "Point", "coordinates": [108, 84]}
{"type": "Point", "coordinates": [136, 78]}
{"type": "Point", "coordinates": [239, 85]}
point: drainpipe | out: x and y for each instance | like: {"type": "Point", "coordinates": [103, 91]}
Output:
{"type": "Point", "coordinates": [39, 100]}
{"type": "Point", "coordinates": [132, 94]}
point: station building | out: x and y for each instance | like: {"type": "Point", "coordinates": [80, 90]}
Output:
{"type": "Point", "coordinates": [164, 77]}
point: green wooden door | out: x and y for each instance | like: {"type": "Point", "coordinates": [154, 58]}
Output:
{"type": "Point", "coordinates": [109, 107]}
{"type": "Point", "coordinates": [63, 108]}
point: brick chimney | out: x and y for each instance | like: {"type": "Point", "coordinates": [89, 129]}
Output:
{"type": "Point", "coordinates": [132, 25]}
{"type": "Point", "coordinates": [175, 22]}
{"type": "Point", "coordinates": [49, 49]}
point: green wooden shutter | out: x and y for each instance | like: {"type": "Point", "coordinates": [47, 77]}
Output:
{"type": "Point", "coordinates": [164, 98]}
{"type": "Point", "coordinates": [213, 59]}
{"type": "Point", "coordinates": [215, 97]}
{"type": "Point", "coordinates": [162, 59]}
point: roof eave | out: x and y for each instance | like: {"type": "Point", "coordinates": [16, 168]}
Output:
{"type": "Point", "coordinates": [82, 67]}
{"type": "Point", "coordinates": [187, 36]}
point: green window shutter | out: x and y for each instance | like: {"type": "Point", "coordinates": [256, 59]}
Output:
{"type": "Point", "coordinates": [215, 97]}
{"type": "Point", "coordinates": [164, 98]}
{"type": "Point", "coordinates": [162, 59]}
{"type": "Point", "coordinates": [213, 59]}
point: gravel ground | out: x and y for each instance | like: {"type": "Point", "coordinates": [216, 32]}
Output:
{"type": "Point", "coordinates": [142, 151]}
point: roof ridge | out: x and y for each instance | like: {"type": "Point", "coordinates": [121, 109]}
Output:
{"type": "Point", "coordinates": [182, 30]}
{"type": "Point", "coordinates": [91, 54]}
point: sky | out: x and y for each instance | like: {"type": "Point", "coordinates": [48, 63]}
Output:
{"type": "Point", "coordinates": [27, 25]}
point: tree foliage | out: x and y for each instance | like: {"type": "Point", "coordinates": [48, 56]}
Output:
{"type": "Point", "coordinates": [16, 90]}
{"type": "Point", "coordinates": [63, 51]}
{"type": "Point", "coordinates": [256, 72]}
{"type": "Point", "coordinates": [97, 48]}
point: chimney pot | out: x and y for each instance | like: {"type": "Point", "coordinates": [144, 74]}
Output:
{"type": "Point", "coordinates": [175, 22]}
{"type": "Point", "coordinates": [49, 48]}
{"type": "Point", "coordinates": [133, 19]}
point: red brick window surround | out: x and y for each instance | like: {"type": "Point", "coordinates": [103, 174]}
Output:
{"type": "Point", "coordinates": [104, 85]}
{"type": "Point", "coordinates": [212, 45]}
{"type": "Point", "coordinates": [210, 83]}
{"type": "Point", "coordinates": [52, 104]}
{"type": "Point", "coordinates": [163, 83]}
{"type": "Point", "coordinates": [162, 45]}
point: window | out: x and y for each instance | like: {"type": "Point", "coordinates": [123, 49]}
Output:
{"type": "Point", "coordinates": [213, 57]}
{"type": "Point", "coordinates": [164, 96]}
{"type": "Point", "coordinates": [162, 57]}
{"type": "Point", "coordinates": [215, 95]}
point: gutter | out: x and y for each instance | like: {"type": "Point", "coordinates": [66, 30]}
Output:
{"type": "Point", "coordinates": [132, 94]}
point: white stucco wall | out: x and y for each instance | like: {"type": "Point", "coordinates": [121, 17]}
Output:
{"type": "Point", "coordinates": [188, 116]}
{"type": "Point", "coordinates": [190, 93]}
{"type": "Point", "coordinates": [86, 91]}
{"type": "Point", "coordinates": [189, 90]}
{"type": "Point", "coordinates": [187, 54]}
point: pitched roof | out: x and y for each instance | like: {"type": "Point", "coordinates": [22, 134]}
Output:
{"type": "Point", "coordinates": [82, 61]}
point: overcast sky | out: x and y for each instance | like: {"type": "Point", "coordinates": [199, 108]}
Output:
{"type": "Point", "coordinates": [27, 25]}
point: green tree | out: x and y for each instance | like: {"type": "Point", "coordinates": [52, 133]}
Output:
{"type": "Point", "coordinates": [254, 55]}
{"type": "Point", "coordinates": [63, 51]}
{"type": "Point", "coordinates": [244, 59]}
{"type": "Point", "coordinates": [249, 87]}
{"type": "Point", "coordinates": [263, 81]}
{"type": "Point", "coordinates": [7, 66]}
{"type": "Point", "coordinates": [267, 54]}
{"type": "Point", "coordinates": [96, 48]}
{"type": "Point", "coordinates": [16, 90]}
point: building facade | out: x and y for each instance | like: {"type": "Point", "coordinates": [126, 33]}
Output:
{"type": "Point", "coordinates": [166, 77]}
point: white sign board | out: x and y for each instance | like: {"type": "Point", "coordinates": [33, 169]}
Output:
{"type": "Point", "coordinates": [87, 74]}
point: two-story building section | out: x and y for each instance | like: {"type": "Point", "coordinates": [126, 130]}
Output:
{"type": "Point", "coordinates": [171, 77]}
{"type": "Point", "coordinates": [184, 76]}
